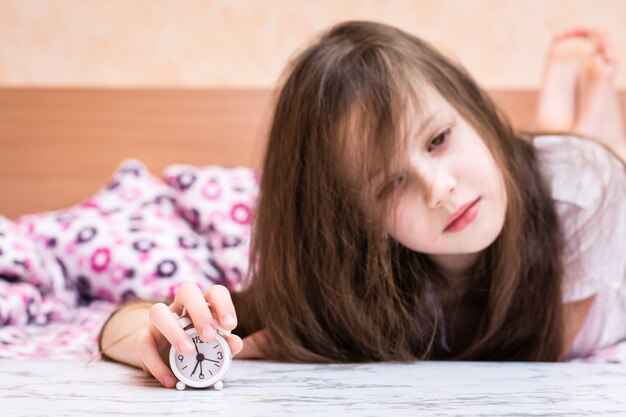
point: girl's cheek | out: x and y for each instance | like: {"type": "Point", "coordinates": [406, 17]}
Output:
{"type": "Point", "coordinates": [405, 228]}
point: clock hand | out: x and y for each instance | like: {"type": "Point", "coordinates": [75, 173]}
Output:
{"type": "Point", "coordinates": [195, 345]}
{"type": "Point", "coordinates": [196, 367]}
{"type": "Point", "coordinates": [211, 360]}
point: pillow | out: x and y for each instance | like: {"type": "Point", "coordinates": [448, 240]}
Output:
{"type": "Point", "coordinates": [126, 242]}
{"type": "Point", "coordinates": [219, 203]}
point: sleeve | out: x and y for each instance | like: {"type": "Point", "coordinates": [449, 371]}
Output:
{"type": "Point", "coordinates": [589, 190]}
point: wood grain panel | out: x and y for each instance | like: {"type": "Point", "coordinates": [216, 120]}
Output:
{"type": "Point", "coordinates": [59, 146]}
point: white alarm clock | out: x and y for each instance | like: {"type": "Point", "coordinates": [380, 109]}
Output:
{"type": "Point", "coordinates": [208, 366]}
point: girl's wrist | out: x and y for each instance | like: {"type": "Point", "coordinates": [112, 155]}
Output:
{"type": "Point", "coordinates": [116, 329]}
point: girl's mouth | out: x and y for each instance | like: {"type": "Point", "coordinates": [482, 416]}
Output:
{"type": "Point", "coordinates": [463, 217]}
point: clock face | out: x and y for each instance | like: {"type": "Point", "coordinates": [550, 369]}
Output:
{"type": "Point", "coordinates": [204, 367]}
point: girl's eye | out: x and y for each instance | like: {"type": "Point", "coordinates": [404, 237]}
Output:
{"type": "Point", "coordinates": [438, 140]}
{"type": "Point", "coordinates": [390, 187]}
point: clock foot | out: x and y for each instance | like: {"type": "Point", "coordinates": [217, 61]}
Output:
{"type": "Point", "coordinates": [180, 386]}
{"type": "Point", "coordinates": [218, 385]}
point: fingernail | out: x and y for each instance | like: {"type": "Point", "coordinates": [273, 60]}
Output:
{"type": "Point", "coordinates": [168, 380]}
{"type": "Point", "coordinates": [229, 320]}
{"type": "Point", "coordinates": [208, 332]}
{"type": "Point", "coordinates": [185, 347]}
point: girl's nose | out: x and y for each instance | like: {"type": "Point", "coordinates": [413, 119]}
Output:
{"type": "Point", "coordinates": [442, 186]}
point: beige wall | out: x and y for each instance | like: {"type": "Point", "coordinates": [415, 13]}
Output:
{"type": "Point", "coordinates": [246, 43]}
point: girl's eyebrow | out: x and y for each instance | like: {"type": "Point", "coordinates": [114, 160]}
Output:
{"type": "Point", "coordinates": [421, 126]}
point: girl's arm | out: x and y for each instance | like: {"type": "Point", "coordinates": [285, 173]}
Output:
{"type": "Point", "coordinates": [119, 334]}
{"type": "Point", "coordinates": [574, 315]}
{"type": "Point", "coordinates": [254, 346]}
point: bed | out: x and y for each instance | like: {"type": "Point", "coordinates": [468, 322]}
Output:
{"type": "Point", "coordinates": [61, 147]}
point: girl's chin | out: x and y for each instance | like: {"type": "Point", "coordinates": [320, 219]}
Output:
{"type": "Point", "coordinates": [468, 246]}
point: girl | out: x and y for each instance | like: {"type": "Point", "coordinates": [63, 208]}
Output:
{"type": "Point", "coordinates": [401, 218]}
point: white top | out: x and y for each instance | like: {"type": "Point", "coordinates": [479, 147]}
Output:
{"type": "Point", "coordinates": [589, 191]}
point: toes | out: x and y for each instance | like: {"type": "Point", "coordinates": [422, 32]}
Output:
{"type": "Point", "coordinates": [571, 48]}
{"type": "Point", "coordinates": [575, 32]}
{"type": "Point", "coordinates": [606, 46]}
{"type": "Point", "coordinates": [582, 43]}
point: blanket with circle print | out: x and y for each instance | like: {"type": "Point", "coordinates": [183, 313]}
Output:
{"type": "Point", "coordinates": [138, 237]}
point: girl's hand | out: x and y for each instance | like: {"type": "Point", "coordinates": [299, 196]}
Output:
{"type": "Point", "coordinates": [164, 330]}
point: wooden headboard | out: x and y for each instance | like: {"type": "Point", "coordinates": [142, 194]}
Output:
{"type": "Point", "coordinates": [59, 146]}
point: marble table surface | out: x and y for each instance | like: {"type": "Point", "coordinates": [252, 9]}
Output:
{"type": "Point", "coordinates": [257, 388]}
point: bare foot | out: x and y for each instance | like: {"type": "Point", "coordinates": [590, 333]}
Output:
{"type": "Point", "coordinates": [558, 97]}
{"type": "Point", "coordinates": [598, 112]}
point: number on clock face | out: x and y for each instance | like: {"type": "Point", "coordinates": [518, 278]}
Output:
{"type": "Point", "coordinates": [207, 360]}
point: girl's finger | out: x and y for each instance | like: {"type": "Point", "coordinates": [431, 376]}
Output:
{"type": "Point", "coordinates": [152, 362]}
{"type": "Point", "coordinates": [165, 322]}
{"type": "Point", "coordinates": [222, 305]}
{"type": "Point", "coordinates": [235, 343]}
{"type": "Point", "coordinates": [190, 295]}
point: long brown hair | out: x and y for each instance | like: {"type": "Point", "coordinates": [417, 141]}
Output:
{"type": "Point", "coordinates": [327, 285]}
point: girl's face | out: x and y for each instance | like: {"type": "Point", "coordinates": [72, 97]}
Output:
{"type": "Point", "coordinates": [448, 195]}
